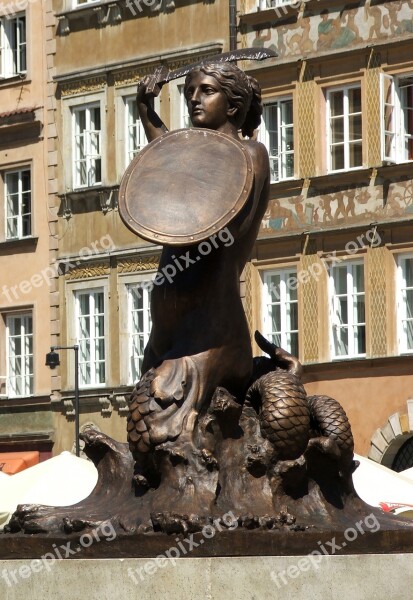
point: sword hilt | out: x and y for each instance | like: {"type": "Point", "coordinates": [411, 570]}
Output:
{"type": "Point", "coordinates": [157, 80]}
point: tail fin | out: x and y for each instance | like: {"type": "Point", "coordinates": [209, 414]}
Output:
{"type": "Point", "coordinates": [266, 346]}
{"type": "Point", "coordinates": [282, 358]}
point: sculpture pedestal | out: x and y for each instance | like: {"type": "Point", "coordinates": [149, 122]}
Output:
{"type": "Point", "coordinates": [353, 577]}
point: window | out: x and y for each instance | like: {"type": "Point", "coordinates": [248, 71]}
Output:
{"type": "Point", "coordinates": [280, 309]}
{"type": "Point", "coordinates": [139, 327]}
{"type": "Point", "coordinates": [405, 303]}
{"type": "Point", "coordinates": [397, 118]}
{"type": "Point", "coordinates": [184, 120]}
{"type": "Point", "coordinates": [83, 2]}
{"type": "Point", "coordinates": [135, 133]}
{"type": "Point", "coordinates": [264, 4]}
{"type": "Point", "coordinates": [18, 196]}
{"type": "Point", "coordinates": [347, 299]}
{"type": "Point", "coordinates": [404, 457]}
{"type": "Point", "coordinates": [19, 334]}
{"type": "Point", "coordinates": [90, 333]}
{"type": "Point", "coordinates": [135, 323]}
{"type": "Point", "coordinates": [344, 128]}
{"type": "Point", "coordinates": [87, 146]}
{"type": "Point", "coordinates": [276, 133]}
{"type": "Point", "coordinates": [13, 59]}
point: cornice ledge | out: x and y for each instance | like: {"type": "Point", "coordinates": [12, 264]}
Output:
{"type": "Point", "coordinates": [143, 65]}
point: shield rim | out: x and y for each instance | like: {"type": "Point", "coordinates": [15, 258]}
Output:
{"type": "Point", "coordinates": [158, 237]}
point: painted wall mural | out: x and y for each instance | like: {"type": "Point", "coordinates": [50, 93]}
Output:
{"type": "Point", "coordinates": [353, 25]}
{"type": "Point", "coordinates": [357, 205]}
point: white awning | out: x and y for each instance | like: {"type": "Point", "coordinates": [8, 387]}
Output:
{"type": "Point", "coordinates": [60, 481]}
{"type": "Point", "coordinates": [379, 486]}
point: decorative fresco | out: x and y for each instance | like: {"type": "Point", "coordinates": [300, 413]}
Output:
{"type": "Point", "coordinates": [353, 25]}
{"type": "Point", "coordinates": [338, 207]}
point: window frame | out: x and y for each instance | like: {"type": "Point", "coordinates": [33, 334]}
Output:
{"type": "Point", "coordinates": [26, 314]}
{"type": "Point", "coordinates": [10, 56]}
{"type": "Point", "coordinates": [93, 361]}
{"type": "Point", "coordinates": [122, 96]}
{"type": "Point", "coordinates": [137, 126]}
{"type": "Point", "coordinates": [178, 106]}
{"type": "Point", "coordinates": [71, 289]}
{"type": "Point", "coordinates": [147, 326]}
{"type": "Point", "coordinates": [397, 132]}
{"type": "Point", "coordinates": [284, 302]}
{"type": "Point", "coordinates": [89, 156]}
{"type": "Point", "coordinates": [351, 324]}
{"type": "Point", "coordinates": [184, 119]}
{"type": "Point", "coordinates": [69, 103]}
{"type": "Point", "coordinates": [401, 312]}
{"type": "Point", "coordinates": [264, 137]}
{"type": "Point", "coordinates": [346, 115]}
{"type": "Point", "coordinates": [20, 216]}
{"type": "Point", "coordinates": [127, 281]}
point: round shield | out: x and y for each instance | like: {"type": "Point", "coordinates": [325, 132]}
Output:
{"type": "Point", "coordinates": [185, 185]}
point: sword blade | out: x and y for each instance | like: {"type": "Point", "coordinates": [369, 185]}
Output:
{"type": "Point", "coordinates": [242, 54]}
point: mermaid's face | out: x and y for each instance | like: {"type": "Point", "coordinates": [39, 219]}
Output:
{"type": "Point", "coordinates": [208, 105]}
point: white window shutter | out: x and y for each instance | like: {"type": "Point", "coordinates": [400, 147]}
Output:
{"type": "Point", "coordinates": [2, 57]}
{"type": "Point", "coordinates": [387, 118]}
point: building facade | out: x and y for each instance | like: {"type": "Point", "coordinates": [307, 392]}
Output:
{"type": "Point", "coordinates": [331, 277]}
{"type": "Point", "coordinates": [25, 275]}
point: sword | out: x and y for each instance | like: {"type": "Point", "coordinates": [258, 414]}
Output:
{"type": "Point", "coordinates": [162, 74]}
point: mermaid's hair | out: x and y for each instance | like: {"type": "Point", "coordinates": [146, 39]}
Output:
{"type": "Point", "coordinates": [242, 90]}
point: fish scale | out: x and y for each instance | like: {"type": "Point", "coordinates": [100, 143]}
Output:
{"type": "Point", "coordinates": [329, 419]}
{"type": "Point", "coordinates": [138, 434]}
{"type": "Point", "coordinates": [285, 415]}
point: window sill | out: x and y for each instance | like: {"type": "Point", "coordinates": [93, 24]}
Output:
{"type": "Point", "coordinates": [28, 243]}
{"type": "Point", "coordinates": [337, 178]}
{"type": "Point", "coordinates": [19, 125]}
{"type": "Point", "coordinates": [7, 402]}
{"type": "Point", "coordinates": [94, 399]}
{"type": "Point", "coordinates": [398, 169]}
{"type": "Point", "coordinates": [14, 398]}
{"type": "Point", "coordinates": [14, 80]}
{"type": "Point", "coordinates": [341, 171]}
{"type": "Point", "coordinates": [336, 359]}
{"type": "Point", "coordinates": [286, 185]}
{"type": "Point", "coordinates": [105, 12]}
{"type": "Point", "coordinates": [92, 387]}
{"type": "Point", "coordinates": [100, 197]}
{"type": "Point", "coordinates": [85, 8]}
{"type": "Point", "coordinates": [358, 368]}
{"type": "Point", "coordinates": [267, 16]}
{"type": "Point", "coordinates": [87, 188]}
